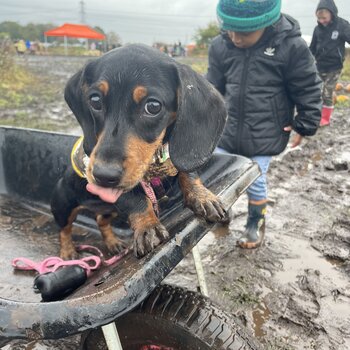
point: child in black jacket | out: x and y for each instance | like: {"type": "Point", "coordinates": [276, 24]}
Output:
{"type": "Point", "coordinates": [264, 69]}
{"type": "Point", "coordinates": [328, 47]}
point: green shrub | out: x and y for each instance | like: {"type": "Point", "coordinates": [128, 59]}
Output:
{"type": "Point", "coordinates": [346, 70]}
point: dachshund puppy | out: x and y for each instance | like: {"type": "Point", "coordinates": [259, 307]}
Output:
{"type": "Point", "coordinates": [143, 116]}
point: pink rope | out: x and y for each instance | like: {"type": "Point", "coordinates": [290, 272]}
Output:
{"type": "Point", "coordinates": [51, 264]}
{"type": "Point", "coordinates": [151, 195]}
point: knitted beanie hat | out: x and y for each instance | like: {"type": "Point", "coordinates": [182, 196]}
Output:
{"type": "Point", "coordinates": [247, 15]}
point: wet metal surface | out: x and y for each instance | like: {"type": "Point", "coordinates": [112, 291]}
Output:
{"type": "Point", "coordinates": [21, 237]}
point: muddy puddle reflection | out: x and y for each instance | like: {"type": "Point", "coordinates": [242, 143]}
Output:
{"type": "Point", "coordinates": [261, 315]}
{"type": "Point", "coordinates": [301, 257]}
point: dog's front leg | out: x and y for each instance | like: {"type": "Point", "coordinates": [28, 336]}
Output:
{"type": "Point", "coordinates": [65, 209]}
{"type": "Point", "coordinates": [200, 200]}
{"type": "Point", "coordinates": [113, 243]}
{"type": "Point", "coordinates": [148, 231]}
{"type": "Point", "coordinates": [67, 249]}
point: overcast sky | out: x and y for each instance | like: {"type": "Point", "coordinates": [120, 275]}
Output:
{"type": "Point", "coordinates": [145, 20]}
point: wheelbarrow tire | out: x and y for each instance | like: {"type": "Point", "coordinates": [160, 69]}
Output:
{"type": "Point", "coordinates": [175, 318]}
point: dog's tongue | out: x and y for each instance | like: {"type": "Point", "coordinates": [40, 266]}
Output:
{"type": "Point", "coordinates": [109, 195]}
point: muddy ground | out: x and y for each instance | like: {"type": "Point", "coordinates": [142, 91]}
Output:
{"type": "Point", "coordinates": [293, 292]}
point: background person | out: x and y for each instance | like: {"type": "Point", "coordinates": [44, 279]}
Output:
{"type": "Point", "coordinates": [264, 69]}
{"type": "Point", "coordinates": [328, 47]}
{"type": "Point", "coordinates": [21, 47]}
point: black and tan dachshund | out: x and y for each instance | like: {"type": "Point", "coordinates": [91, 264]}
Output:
{"type": "Point", "coordinates": [143, 116]}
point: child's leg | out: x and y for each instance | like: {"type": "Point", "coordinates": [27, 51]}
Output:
{"type": "Point", "coordinates": [329, 81]}
{"type": "Point", "coordinates": [257, 191]}
{"type": "Point", "coordinates": [257, 194]}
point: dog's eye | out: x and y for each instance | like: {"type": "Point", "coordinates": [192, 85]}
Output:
{"type": "Point", "coordinates": [153, 107]}
{"type": "Point", "coordinates": [95, 102]}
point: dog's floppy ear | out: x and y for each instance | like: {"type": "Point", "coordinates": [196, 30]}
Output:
{"type": "Point", "coordinates": [75, 99]}
{"type": "Point", "coordinates": [201, 117]}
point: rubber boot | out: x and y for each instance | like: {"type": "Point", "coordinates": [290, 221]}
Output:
{"type": "Point", "coordinates": [254, 232]}
{"type": "Point", "coordinates": [326, 115]}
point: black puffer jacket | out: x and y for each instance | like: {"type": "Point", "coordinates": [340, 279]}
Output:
{"type": "Point", "coordinates": [262, 85]}
{"type": "Point", "coordinates": [328, 43]}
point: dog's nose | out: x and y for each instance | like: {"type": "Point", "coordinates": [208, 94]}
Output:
{"type": "Point", "coordinates": [107, 176]}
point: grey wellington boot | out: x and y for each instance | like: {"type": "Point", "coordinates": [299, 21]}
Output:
{"type": "Point", "coordinates": [254, 232]}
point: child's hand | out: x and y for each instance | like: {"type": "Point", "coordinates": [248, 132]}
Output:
{"type": "Point", "coordinates": [296, 141]}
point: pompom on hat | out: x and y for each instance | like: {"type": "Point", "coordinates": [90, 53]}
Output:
{"type": "Point", "coordinates": [247, 15]}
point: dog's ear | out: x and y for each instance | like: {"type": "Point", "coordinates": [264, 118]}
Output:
{"type": "Point", "coordinates": [75, 99]}
{"type": "Point", "coordinates": [201, 117]}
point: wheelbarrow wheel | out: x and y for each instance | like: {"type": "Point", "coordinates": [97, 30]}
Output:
{"type": "Point", "coordinates": [172, 318]}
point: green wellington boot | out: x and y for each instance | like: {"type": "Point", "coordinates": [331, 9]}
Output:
{"type": "Point", "coordinates": [254, 232]}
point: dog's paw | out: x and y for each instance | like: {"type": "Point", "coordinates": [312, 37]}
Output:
{"type": "Point", "coordinates": [208, 207]}
{"type": "Point", "coordinates": [115, 245]}
{"type": "Point", "coordinates": [68, 252]}
{"type": "Point", "coordinates": [146, 240]}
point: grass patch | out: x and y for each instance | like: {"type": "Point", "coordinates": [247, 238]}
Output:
{"type": "Point", "coordinates": [343, 104]}
{"type": "Point", "coordinates": [13, 85]}
{"type": "Point", "coordinates": [24, 119]}
{"type": "Point", "coordinates": [72, 51]}
{"type": "Point", "coordinates": [24, 90]}
{"type": "Point", "coordinates": [239, 294]}
{"type": "Point", "coordinates": [19, 87]}
{"type": "Point", "coordinates": [198, 64]}
{"type": "Point", "coordinates": [345, 75]}
{"type": "Point", "coordinates": [277, 344]}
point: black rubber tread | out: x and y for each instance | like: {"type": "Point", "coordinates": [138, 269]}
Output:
{"type": "Point", "coordinates": [199, 316]}
{"type": "Point", "coordinates": [183, 319]}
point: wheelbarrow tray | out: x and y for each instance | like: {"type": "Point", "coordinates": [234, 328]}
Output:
{"type": "Point", "coordinates": [31, 162]}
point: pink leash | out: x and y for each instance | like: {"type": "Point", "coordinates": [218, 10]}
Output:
{"type": "Point", "coordinates": [51, 264]}
{"type": "Point", "coordinates": [147, 187]}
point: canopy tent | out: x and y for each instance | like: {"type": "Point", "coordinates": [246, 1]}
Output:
{"type": "Point", "coordinates": [75, 31]}
{"type": "Point", "coordinates": [68, 30]}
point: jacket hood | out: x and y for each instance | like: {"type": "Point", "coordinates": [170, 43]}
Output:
{"type": "Point", "coordinates": [328, 5]}
{"type": "Point", "coordinates": [285, 27]}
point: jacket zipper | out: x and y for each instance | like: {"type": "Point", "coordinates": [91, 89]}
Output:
{"type": "Point", "coordinates": [241, 99]}
{"type": "Point", "coordinates": [341, 57]}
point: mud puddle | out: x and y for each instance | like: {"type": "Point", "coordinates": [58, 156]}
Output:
{"type": "Point", "coordinates": [303, 257]}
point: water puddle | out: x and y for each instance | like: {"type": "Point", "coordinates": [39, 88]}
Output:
{"type": "Point", "coordinates": [219, 231]}
{"type": "Point", "coordinates": [260, 316]}
{"type": "Point", "coordinates": [301, 256]}
{"type": "Point", "coordinates": [335, 262]}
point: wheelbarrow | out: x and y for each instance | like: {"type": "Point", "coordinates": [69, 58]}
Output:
{"type": "Point", "coordinates": [122, 306]}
